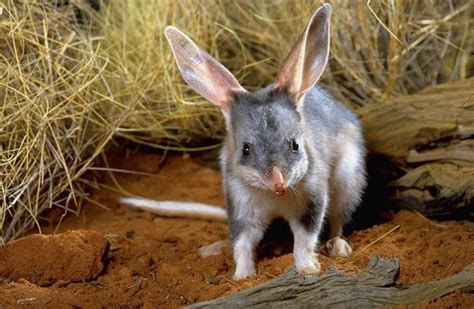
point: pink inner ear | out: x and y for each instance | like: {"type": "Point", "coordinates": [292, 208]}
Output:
{"type": "Point", "coordinates": [224, 82]}
{"type": "Point", "coordinates": [201, 71]}
{"type": "Point", "coordinates": [291, 73]}
{"type": "Point", "coordinates": [307, 60]}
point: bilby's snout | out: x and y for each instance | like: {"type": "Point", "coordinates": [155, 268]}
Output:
{"type": "Point", "coordinates": [278, 182]}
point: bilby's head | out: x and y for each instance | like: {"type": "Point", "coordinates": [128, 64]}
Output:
{"type": "Point", "coordinates": [267, 127]}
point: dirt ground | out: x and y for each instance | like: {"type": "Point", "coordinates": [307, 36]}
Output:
{"type": "Point", "coordinates": [155, 262]}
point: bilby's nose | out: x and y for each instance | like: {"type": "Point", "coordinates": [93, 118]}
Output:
{"type": "Point", "coordinates": [279, 187]}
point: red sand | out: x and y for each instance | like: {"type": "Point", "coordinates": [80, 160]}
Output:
{"type": "Point", "coordinates": [44, 260]}
{"type": "Point", "coordinates": [154, 262]}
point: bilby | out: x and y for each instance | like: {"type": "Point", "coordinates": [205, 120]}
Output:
{"type": "Point", "coordinates": [291, 151]}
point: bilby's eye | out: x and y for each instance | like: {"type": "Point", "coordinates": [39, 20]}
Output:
{"type": "Point", "coordinates": [294, 146]}
{"type": "Point", "coordinates": [246, 149]}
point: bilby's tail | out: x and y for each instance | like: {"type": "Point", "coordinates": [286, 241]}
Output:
{"type": "Point", "coordinates": [177, 209]}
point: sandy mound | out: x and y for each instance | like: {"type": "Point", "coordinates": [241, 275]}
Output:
{"type": "Point", "coordinates": [45, 259]}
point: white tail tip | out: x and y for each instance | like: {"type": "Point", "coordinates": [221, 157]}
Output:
{"type": "Point", "coordinates": [176, 208]}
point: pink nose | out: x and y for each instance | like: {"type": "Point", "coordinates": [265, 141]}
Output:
{"type": "Point", "coordinates": [278, 184]}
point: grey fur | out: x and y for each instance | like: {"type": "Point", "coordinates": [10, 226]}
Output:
{"type": "Point", "coordinates": [267, 120]}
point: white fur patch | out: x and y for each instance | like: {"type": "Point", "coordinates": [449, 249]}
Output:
{"type": "Point", "coordinates": [304, 252]}
{"type": "Point", "coordinates": [244, 261]}
{"type": "Point", "coordinates": [255, 209]}
{"type": "Point", "coordinates": [348, 181]}
{"type": "Point", "coordinates": [244, 252]}
{"type": "Point", "coordinates": [350, 161]}
{"type": "Point", "coordinates": [176, 209]}
{"type": "Point", "coordinates": [255, 205]}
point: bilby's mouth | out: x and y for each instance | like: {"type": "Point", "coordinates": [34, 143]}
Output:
{"type": "Point", "coordinates": [279, 187]}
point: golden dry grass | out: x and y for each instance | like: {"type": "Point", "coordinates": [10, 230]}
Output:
{"type": "Point", "coordinates": [56, 115]}
{"type": "Point", "coordinates": [69, 86]}
{"type": "Point", "coordinates": [380, 49]}
{"type": "Point", "coordinates": [142, 70]}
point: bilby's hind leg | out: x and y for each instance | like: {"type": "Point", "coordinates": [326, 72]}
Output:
{"type": "Point", "coordinates": [337, 246]}
{"type": "Point", "coordinates": [348, 183]}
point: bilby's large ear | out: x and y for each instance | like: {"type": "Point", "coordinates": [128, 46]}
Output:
{"type": "Point", "coordinates": [307, 60]}
{"type": "Point", "coordinates": [202, 72]}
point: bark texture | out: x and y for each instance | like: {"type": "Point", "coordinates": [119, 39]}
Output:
{"type": "Point", "coordinates": [429, 136]}
{"type": "Point", "coordinates": [372, 288]}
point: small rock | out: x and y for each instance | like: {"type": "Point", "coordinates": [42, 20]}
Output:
{"type": "Point", "coordinates": [145, 260]}
{"type": "Point", "coordinates": [170, 239]}
{"type": "Point", "coordinates": [436, 243]}
{"type": "Point", "coordinates": [211, 279]}
{"type": "Point", "coordinates": [401, 239]}
{"type": "Point", "coordinates": [213, 249]}
{"type": "Point", "coordinates": [142, 266]}
{"type": "Point", "coordinates": [26, 301]}
{"type": "Point", "coordinates": [124, 272]}
{"type": "Point", "coordinates": [148, 305]}
{"type": "Point", "coordinates": [169, 270]}
{"type": "Point", "coordinates": [110, 237]}
{"type": "Point", "coordinates": [60, 283]}
{"type": "Point", "coordinates": [130, 234]}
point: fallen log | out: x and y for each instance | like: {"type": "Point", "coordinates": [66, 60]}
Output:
{"type": "Point", "coordinates": [429, 137]}
{"type": "Point", "coordinates": [374, 287]}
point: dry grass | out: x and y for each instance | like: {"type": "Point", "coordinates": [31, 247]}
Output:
{"type": "Point", "coordinates": [68, 87]}
{"type": "Point", "coordinates": [142, 70]}
{"type": "Point", "coordinates": [379, 49]}
{"type": "Point", "coordinates": [56, 115]}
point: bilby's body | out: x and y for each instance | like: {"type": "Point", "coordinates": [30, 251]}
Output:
{"type": "Point", "coordinates": [291, 151]}
{"type": "Point", "coordinates": [325, 179]}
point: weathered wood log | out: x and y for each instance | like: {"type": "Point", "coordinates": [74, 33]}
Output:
{"type": "Point", "coordinates": [430, 137]}
{"type": "Point", "coordinates": [372, 288]}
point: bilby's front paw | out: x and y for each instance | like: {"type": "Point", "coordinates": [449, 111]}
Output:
{"type": "Point", "coordinates": [309, 267]}
{"type": "Point", "coordinates": [241, 274]}
{"type": "Point", "coordinates": [338, 247]}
